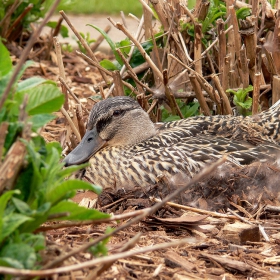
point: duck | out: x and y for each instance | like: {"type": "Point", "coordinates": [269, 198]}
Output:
{"type": "Point", "coordinates": [125, 148]}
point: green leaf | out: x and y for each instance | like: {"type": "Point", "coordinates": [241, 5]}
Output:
{"type": "Point", "coordinates": [20, 252]}
{"type": "Point", "coordinates": [44, 99]}
{"type": "Point", "coordinates": [13, 131]}
{"type": "Point", "coordinates": [110, 42]}
{"type": "Point", "coordinates": [9, 262]}
{"type": "Point", "coordinates": [31, 83]}
{"type": "Point", "coordinates": [4, 198]}
{"type": "Point", "coordinates": [192, 110]}
{"type": "Point", "coordinates": [124, 46]}
{"type": "Point", "coordinates": [40, 120]}
{"type": "Point", "coordinates": [59, 192]}
{"type": "Point", "coordinates": [109, 65]}
{"type": "Point", "coordinates": [69, 170]}
{"type": "Point", "coordinates": [63, 29]}
{"type": "Point", "coordinates": [5, 60]}
{"type": "Point", "coordinates": [11, 223]}
{"type": "Point", "coordinates": [242, 13]}
{"type": "Point", "coordinates": [77, 212]}
{"type": "Point", "coordinates": [21, 206]}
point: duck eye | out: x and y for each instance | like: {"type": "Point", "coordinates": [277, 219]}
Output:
{"type": "Point", "coordinates": [89, 139]}
{"type": "Point", "coordinates": [117, 113]}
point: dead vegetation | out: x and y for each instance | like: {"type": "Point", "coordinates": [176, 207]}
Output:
{"type": "Point", "coordinates": [227, 226]}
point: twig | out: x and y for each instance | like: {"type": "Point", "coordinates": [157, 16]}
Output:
{"type": "Point", "coordinates": [197, 210]}
{"type": "Point", "coordinates": [26, 52]}
{"type": "Point", "coordinates": [61, 70]}
{"type": "Point", "coordinates": [94, 262]}
{"type": "Point", "coordinates": [239, 217]}
{"type": "Point", "coordinates": [3, 132]}
{"type": "Point", "coordinates": [18, 20]}
{"type": "Point", "coordinates": [256, 93]}
{"type": "Point", "coordinates": [10, 11]}
{"type": "Point", "coordinates": [216, 41]}
{"type": "Point", "coordinates": [138, 32]}
{"type": "Point", "coordinates": [74, 129]}
{"type": "Point", "coordinates": [69, 90]}
{"type": "Point", "coordinates": [83, 42]}
{"type": "Point", "coordinates": [199, 95]}
{"type": "Point", "coordinates": [80, 119]}
{"type": "Point", "coordinates": [140, 48]}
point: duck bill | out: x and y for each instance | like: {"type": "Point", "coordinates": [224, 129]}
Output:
{"type": "Point", "coordinates": [89, 145]}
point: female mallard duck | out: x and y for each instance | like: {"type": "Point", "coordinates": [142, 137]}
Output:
{"type": "Point", "coordinates": [125, 148]}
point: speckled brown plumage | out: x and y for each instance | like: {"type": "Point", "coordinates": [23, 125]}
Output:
{"type": "Point", "coordinates": [133, 151]}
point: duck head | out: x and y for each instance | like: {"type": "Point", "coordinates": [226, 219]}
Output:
{"type": "Point", "coordinates": [115, 121]}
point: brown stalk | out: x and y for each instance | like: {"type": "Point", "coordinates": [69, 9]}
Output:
{"type": "Point", "coordinates": [17, 21]}
{"type": "Point", "coordinates": [250, 41]}
{"type": "Point", "coordinates": [222, 46]}
{"type": "Point", "coordinates": [61, 70]}
{"type": "Point", "coordinates": [94, 63]}
{"type": "Point", "coordinates": [121, 27]}
{"type": "Point", "coordinates": [80, 119]}
{"type": "Point", "coordinates": [244, 67]}
{"type": "Point", "coordinates": [53, 34]}
{"type": "Point", "coordinates": [94, 262]}
{"type": "Point", "coordinates": [118, 90]}
{"type": "Point", "coordinates": [3, 132]}
{"type": "Point", "coordinates": [188, 12]}
{"type": "Point", "coordinates": [226, 105]}
{"type": "Point", "coordinates": [198, 48]}
{"type": "Point", "coordinates": [199, 95]}
{"type": "Point", "coordinates": [157, 4]}
{"type": "Point", "coordinates": [190, 70]}
{"type": "Point", "coordinates": [131, 71]}
{"type": "Point", "coordinates": [225, 75]}
{"type": "Point", "coordinates": [26, 51]}
{"type": "Point", "coordinates": [216, 41]}
{"type": "Point", "coordinates": [148, 16]}
{"type": "Point", "coordinates": [69, 90]}
{"type": "Point", "coordinates": [14, 159]}
{"type": "Point", "coordinates": [230, 37]}
{"type": "Point", "coordinates": [237, 38]}
{"type": "Point", "coordinates": [155, 52]}
{"type": "Point", "coordinates": [169, 96]}
{"type": "Point", "coordinates": [72, 125]}
{"type": "Point", "coordinates": [197, 210]}
{"type": "Point", "coordinates": [100, 39]}
{"type": "Point", "coordinates": [201, 9]}
{"type": "Point", "coordinates": [275, 88]}
{"type": "Point", "coordinates": [12, 165]}
{"type": "Point", "coordinates": [4, 23]}
{"type": "Point", "coordinates": [83, 42]}
{"type": "Point", "coordinates": [256, 93]}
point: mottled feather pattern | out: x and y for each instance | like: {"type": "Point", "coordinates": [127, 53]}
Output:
{"type": "Point", "coordinates": [179, 147]}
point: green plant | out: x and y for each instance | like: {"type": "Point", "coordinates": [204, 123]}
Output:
{"type": "Point", "coordinates": [88, 40]}
{"type": "Point", "coordinates": [192, 109]}
{"type": "Point", "coordinates": [241, 99]}
{"type": "Point", "coordinates": [39, 192]}
{"type": "Point", "coordinates": [216, 11]}
{"type": "Point", "coordinates": [22, 16]}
